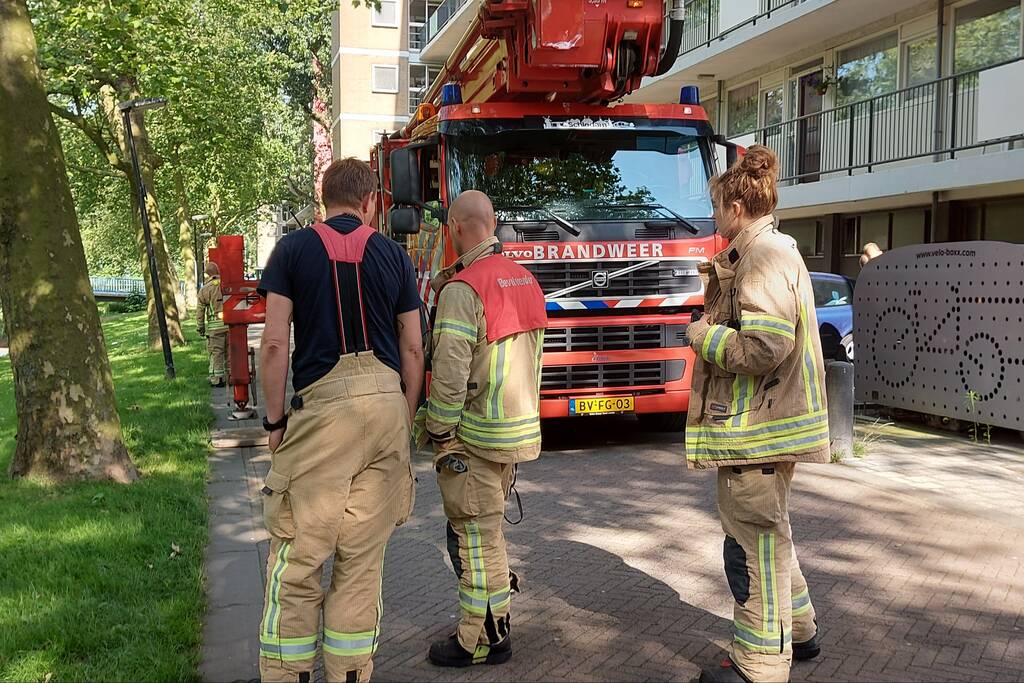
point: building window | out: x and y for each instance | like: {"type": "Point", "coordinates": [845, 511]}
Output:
{"type": "Point", "coordinates": [742, 110]}
{"type": "Point", "coordinates": [386, 16]}
{"type": "Point", "coordinates": [421, 76]}
{"type": "Point", "coordinates": [908, 227]}
{"type": "Point", "coordinates": [809, 236]}
{"type": "Point", "coordinates": [919, 61]}
{"type": "Point", "coordinates": [866, 228]}
{"type": "Point", "coordinates": [1001, 221]}
{"type": "Point", "coordinates": [868, 69]}
{"type": "Point", "coordinates": [986, 32]}
{"type": "Point", "coordinates": [711, 109]}
{"type": "Point", "coordinates": [851, 236]}
{"type": "Point", "coordinates": [772, 103]}
{"type": "Point", "coordinates": [384, 78]}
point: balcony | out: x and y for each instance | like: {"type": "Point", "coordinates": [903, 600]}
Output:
{"type": "Point", "coordinates": [444, 28]}
{"type": "Point", "coordinates": [955, 117]}
{"type": "Point", "coordinates": [726, 38]}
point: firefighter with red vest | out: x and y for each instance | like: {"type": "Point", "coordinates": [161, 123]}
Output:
{"type": "Point", "coordinates": [340, 479]}
{"type": "Point", "coordinates": [482, 416]}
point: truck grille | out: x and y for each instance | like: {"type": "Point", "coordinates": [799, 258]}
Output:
{"type": "Point", "coordinates": [610, 375]}
{"type": "Point", "coordinates": [654, 280]}
{"type": "Point", "coordinates": [603, 338]}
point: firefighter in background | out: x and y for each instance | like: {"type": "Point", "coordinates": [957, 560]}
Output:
{"type": "Point", "coordinates": [210, 323]}
{"type": "Point", "coordinates": [340, 479]}
{"type": "Point", "coordinates": [871, 251]}
{"type": "Point", "coordinates": [757, 408]}
{"type": "Point", "coordinates": [483, 418]}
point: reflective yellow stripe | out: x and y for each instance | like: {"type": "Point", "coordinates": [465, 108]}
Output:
{"type": "Point", "coordinates": [272, 618]}
{"type": "Point", "coordinates": [801, 603]}
{"type": "Point", "coordinates": [759, 641]}
{"type": "Point", "coordinates": [459, 328]}
{"type": "Point", "coordinates": [812, 387]}
{"type": "Point", "coordinates": [506, 355]}
{"type": "Point", "coordinates": [440, 411]}
{"type": "Point", "coordinates": [743, 394]}
{"type": "Point", "coordinates": [713, 349]}
{"type": "Point", "coordinates": [765, 427]}
{"type": "Point", "coordinates": [769, 330]}
{"type": "Point", "coordinates": [480, 655]}
{"type": "Point", "coordinates": [478, 574]}
{"type": "Point", "coordinates": [350, 644]}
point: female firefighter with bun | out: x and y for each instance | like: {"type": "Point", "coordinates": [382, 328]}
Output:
{"type": "Point", "coordinates": [757, 408]}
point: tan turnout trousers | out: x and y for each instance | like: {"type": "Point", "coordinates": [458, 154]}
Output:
{"type": "Point", "coordinates": [217, 347]}
{"type": "Point", "coordinates": [773, 608]}
{"type": "Point", "coordinates": [474, 494]}
{"type": "Point", "coordinates": [338, 485]}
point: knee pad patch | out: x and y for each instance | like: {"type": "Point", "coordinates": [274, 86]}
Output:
{"type": "Point", "coordinates": [736, 570]}
{"type": "Point", "coordinates": [453, 549]}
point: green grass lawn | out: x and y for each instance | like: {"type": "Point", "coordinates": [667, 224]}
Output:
{"type": "Point", "coordinates": [89, 589]}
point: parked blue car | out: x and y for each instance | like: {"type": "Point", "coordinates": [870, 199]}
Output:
{"type": "Point", "coordinates": [833, 302]}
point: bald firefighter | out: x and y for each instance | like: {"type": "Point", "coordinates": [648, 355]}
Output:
{"type": "Point", "coordinates": [483, 418]}
{"type": "Point", "coordinates": [210, 323]}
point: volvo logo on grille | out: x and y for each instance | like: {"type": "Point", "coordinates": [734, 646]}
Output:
{"type": "Point", "coordinates": [600, 278]}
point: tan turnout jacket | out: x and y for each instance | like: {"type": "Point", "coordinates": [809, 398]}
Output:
{"type": "Point", "coordinates": [484, 394]}
{"type": "Point", "coordinates": [209, 318]}
{"type": "Point", "coordinates": [758, 391]}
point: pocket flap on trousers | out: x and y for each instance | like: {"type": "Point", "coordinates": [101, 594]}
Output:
{"type": "Point", "coordinates": [277, 482]}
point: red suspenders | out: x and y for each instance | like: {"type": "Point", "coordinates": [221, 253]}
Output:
{"type": "Point", "coordinates": [347, 248]}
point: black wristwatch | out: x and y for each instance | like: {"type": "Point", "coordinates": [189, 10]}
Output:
{"type": "Point", "coordinates": [274, 426]}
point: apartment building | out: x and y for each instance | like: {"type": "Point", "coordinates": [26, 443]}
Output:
{"type": "Point", "coordinates": [896, 121]}
{"type": "Point", "coordinates": [377, 74]}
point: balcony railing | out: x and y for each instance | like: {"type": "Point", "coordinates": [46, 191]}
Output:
{"type": "Point", "coordinates": [704, 17]}
{"type": "Point", "coordinates": [936, 119]}
{"type": "Point", "coordinates": [441, 16]}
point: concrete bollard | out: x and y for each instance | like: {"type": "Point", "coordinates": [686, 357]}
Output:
{"type": "Point", "coordinates": [839, 390]}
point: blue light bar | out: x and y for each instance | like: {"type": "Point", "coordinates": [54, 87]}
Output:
{"type": "Point", "coordinates": [689, 94]}
{"type": "Point", "coordinates": [451, 93]}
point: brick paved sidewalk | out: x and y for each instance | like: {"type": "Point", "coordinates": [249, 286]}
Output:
{"type": "Point", "coordinates": [913, 555]}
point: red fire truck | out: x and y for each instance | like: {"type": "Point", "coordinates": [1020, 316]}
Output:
{"type": "Point", "coordinates": [607, 204]}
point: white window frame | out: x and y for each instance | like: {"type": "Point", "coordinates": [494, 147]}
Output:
{"type": "Point", "coordinates": [834, 92]}
{"type": "Point", "coordinates": [904, 58]}
{"type": "Point", "coordinates": [375, 20]}
{"type": "Point", "coordinates": [373, 78]}
{"type": "Point", "coordinates": [949, 50]}
{"type": "Point", "coordinates": [762, 110]}
{"type": "Point", "coordinates": [728, 114]}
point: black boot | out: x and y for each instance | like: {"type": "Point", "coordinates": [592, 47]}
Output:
{"type": "Point", "coordinates": [450, 653]}
{"type": "Point", "coordinates": [727, 672]}
{"type": "Point", "coordinates": [808, 649]}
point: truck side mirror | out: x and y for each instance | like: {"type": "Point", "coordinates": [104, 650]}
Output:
{"type": "Point", "coordinates": [406, 187]}
{"type": "Point", "coordinates": [404, 220]}
{"type": "Point", "coordinates": [732, 150]}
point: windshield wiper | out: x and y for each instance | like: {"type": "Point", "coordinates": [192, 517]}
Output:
{"type": "Point", "coordinates": [558, 220]}
{"type": "Point", "coordinates": [685, 223]}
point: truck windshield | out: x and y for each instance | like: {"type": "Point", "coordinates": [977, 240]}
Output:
{"type": "Point", "coordinates": [583, 174]}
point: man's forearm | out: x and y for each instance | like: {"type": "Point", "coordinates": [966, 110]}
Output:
{"type": "Point", "coordinates": [273, 378]}
{"type": "Point", "coordinates": [412, 377]}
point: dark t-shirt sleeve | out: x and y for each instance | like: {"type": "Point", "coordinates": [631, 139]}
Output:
{"type": "Point", "coordinates": [408, 293]}
{"type": "Point", "coordinates": [275, 276]}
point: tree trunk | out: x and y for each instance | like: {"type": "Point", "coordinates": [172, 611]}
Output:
{"type": "Point", "coordinates": [322, 145]}
{"type": "Point", "coordinates": [185, 237]}
{"type": "Point", "coordinates": [165, 268]}
{"type": "Point", "coordinates": [68, 426]}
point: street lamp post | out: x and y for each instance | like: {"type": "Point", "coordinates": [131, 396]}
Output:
{"type": "Point", "coordinates": [127, 108]}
